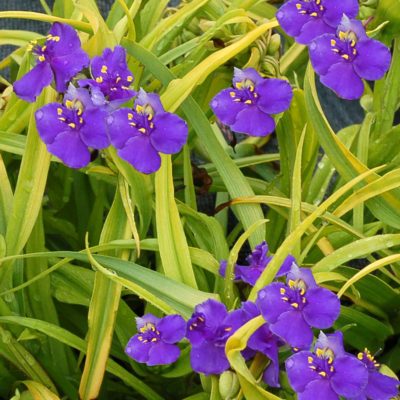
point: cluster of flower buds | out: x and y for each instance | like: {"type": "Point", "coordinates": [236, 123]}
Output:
{"type": "Point", "coordinates": [340, 50]}
{"type": "Point", "coordinates": [291, 306]}
{"type": "Point", "coordinates": [90, 116]}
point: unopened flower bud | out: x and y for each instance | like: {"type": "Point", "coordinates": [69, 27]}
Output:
{"type": "Point", "coordinates": [274, 44]}
{"type": "Point", "coordinates": [228, 385]}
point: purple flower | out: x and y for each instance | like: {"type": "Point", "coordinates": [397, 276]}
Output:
{"type": "Point", "coordinates": [380, 386]}
{"type": "Point", "coordinates": [144, 132]}
{"type": "Point", "coordinates": [257, 260]}
{"type": "Point", "coordinates": [69, 129]}
{"type": "Point", "coordinates": [308, 19]}
{"type": "Point", "coordinates": [208, 330]}
{"type": "Point", "coordinates": [60, 57]}
{"type": "Point", "coordinates": [111, 77]}
{"type": "Point", "coordinates": [328, 372]}
{"type": "Point", "coordinates": [154, 344]}
{"type": "Point", "coordinates": [292, 309]}
{"type": "Point", "coordinates": [246, 107]}
{"type": "Point", "coordinates": [263, 341]}
{"type": "Point", "coordinates": [344, 59]}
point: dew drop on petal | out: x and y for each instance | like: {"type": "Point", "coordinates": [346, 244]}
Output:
{"type": "Point", "coordinates": [39, 114]}
{"type": "Point", "coordinates": [110, 120]}
{"type": "Point", "coordinates": [289, 363]}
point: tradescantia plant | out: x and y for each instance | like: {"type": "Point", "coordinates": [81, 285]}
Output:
{"type": "Point", "coordinates": [254, 268]}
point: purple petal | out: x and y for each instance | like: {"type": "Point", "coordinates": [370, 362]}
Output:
{"type": "Point", "coordinates": [94, 132]}
{"type": "Point", "coordinates": [33, 82]}
{"type": "Point", "coordinates": [350, 377]}
{"type": "Point", "coordinates": [138, 350]}
{"type": "Point", "coordinates": [319, 316]}
{"type": "Point", "coordinates": [312, 29]}
{"type": "Point", "coordinates": [146, 319]}
{"type": "Point", "coordinates": [240, 75]}
{"type": "Point", "coordinates": [353, 25]}
{"type": "Point", "coordinates": [252, 121]}
{"type": "Point", "coordinates": [214, 312]}
{"type": "Point", "coordinates": [381, 387]}
{"type": "Point", "coordinates": [373, 59]}
{"type": "Point", "coordinates": [292, 328]}
{"type": "Point", "coordinates": [70, 149]}
{"type": "Point", "coordinates": [318, 390]}
{"type": "Point", "coordinates": [66, 67]}
{"type": "Point", "coordinates": [225, 108]}
{"type": "Point", "coordinates": [47, 122]}
{"type": "Point", "coordinates": [321, 55]}
{"type": "Point", "coordinates": [271, 374]}
{"type": "Point", "coordinates": [333, 341]}
{"type": "Point", "coordinates": [139, 152]}
{"type": "Point", "coordinates": [248, 274]}
{"type": "Point", "coordinates": [163, 353]}
{"type": "Point", "coordinates": [119, 129]}
{"type": "Point", "coordinates": [115, 60]}
{"type": "Point", "coordinates": [275, 95]}
{"type": "Point", "coordinates": [209, 358]}
{"type": "Point", "coordinates": [150, 99]}
{"type": "Point", "coordinates": [69, 40]}
{"type": "Point", "coordinates": [335, 9]}
{"type": "Point", "coordinates": [270, 302]}
{"type": "Point", "coordinates": [303, 274]}
{"type": "Point", "coordinates": [289, 18]}
{"type": "Point", "coordinates": [299, 372]}
{"type": "Point", "coordinates": [286, 266]}
{"type": "Point", "coordinates": [342, 79]}
{"type": "Point", "coordinates": [170, 133]}
{"type": "Point", "coordinates": [172, 328]}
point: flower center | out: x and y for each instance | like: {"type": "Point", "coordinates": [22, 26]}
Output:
{"type": "Point", "coordinates": [294, 293]}
{"type": "Point", "coordinates": [149, 333]}
{"type": "Point", "coordinates": [346, 45]}
{"type": "Point", "coordinates": [142, 119]}
{"type": "Point", "coordinates": [71, 114]}
{"type": "Point", "coordinates": [244, 92]}
{"type": "Point", "coordinates": [113, 81]}
{"type": "Point", "coordinates": [322, 364]}
{"type": "Point", "coordinates": [367, 358]}
{"type": "Point", "coordinates": [197, 322]}
{"type": "Point", "coordinates": [313, 8]}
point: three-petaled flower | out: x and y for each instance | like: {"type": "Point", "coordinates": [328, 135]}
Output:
{"type": "Point", "coordinates": [208, 330]}
{"type": "Point", "coordinates": [141, 133]}
{"type": "Point", "coordinates": [328, 372]}
{"type": "Point", "coordinates": [155, 342]}
{"type": "Point", "coordinates": [111, 78]}
{"type": "Point", "coordinates": [380, 386]}
{"type": "Point", "coordinates": [258, 261]}
{"type": "Point", "coordinates": [307, 19]}
{"type": "Point", "coordinates": [60, 57]}
{"type": "Point", "coordinates": [291, 309]}
{"type": "Point", "coordinates": [247, 107]}
{"type": "Point", "coordinates": [345, 58]}
{"type": "Point", "coordinates": [69, 129]}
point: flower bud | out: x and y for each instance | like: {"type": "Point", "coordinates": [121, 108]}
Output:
{"type": "Point", "coordinates": [228, 385]}
{"type": "Point", "coordinates": [274, 44]}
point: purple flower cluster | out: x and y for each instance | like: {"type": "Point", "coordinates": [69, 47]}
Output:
{"type": "Point", "coordinates": [89, 117]}
{"type": "Point", "coordinates": [247, 107]}
{"type": "Point", "coordinates": [340, 50]}
{"type": "Point", "coordinates": [290, 311]}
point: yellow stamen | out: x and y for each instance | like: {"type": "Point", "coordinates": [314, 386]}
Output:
{"type": "Point", "coordinates": [322, 373]}
{"type": "Point", "coordinates": [79, 112]}
{"type": "Point", "coordinates": [228, 329]}
{"type": "Point", "coordinates": [69, 103]}
{"type": "Point", "coordinates": [59, 111]}
{"type": "Point", "coordinates": [41, 58]}
{"type": "Point", "coordinates": [298, 6]}
{"type": "Point", "coordinates": [104, 69]}
{"type": "Point", "coordinates": [72, 125]}
{"type": "Point", "coordinates": [345, 56]}
{"type": "Point", "coordinates": [314, 14]}
{"type": "Point", "coordinates": [151, 125]}
{"type": "Point", "coordinates": [333, 42]}
{"type": "Point", "coordinates": [360, 356]}
{"type": "Point", "coordinates": [282, 291]}
{"type": "Point", "coordinates": [295, 305]}
{"type": "Point", "coordinates": [130, 116]}
{"type": "Point", "coordinates": [81, 120]}
{"type": "Point", "coordinates": [319, 352]}
{"type": "Point", "coordinates": [62, 119]}
{"type": "Point", "coordinates": [129, 78]}
{"type": "Point", "coordinates": [139, 108]}
{"type": "Point", "coordinates": [99, 79]}
{"type": "Point", "coordinates": [291, 283]}
{"type": "Point", "coordinates": [118, 79]}
{"type": "Point", "coordinates": [143, 130]}
{"type": "Point", "coordinates": [310, 360]}
{"type": "Point", "coordinates": [154, 339]}
{"type": "Point", "coordinates": [248, 102]}
{"type": "Point", "coordinates": [232, 94]}
{"type": "Point", "coordinates": [342, 35]}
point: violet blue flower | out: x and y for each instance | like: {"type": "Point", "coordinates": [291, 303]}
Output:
{"type": "Point", "coordinates": [257, 261]}
{"type": "Point", "coordinates": [344, 59]}
{"type": "Point", "coordinates": [308, 19]}
{"type": "Point", "coordinates": [154, 344]}
{"type": "Point", "coordinates": [69, 129]}
{"type": "Point", "coordinates": [208, 330]}
{"type": "Point", "coordinates": [328, 372]}
{"type": "Point", "coordinates": [247, 107]}
{"type": "Point", "coordinates": [60, 57]}
{"type": "Point", "coordinates": [380, 386]}
{"type": "Point", "coordinates": [144, 132]}
{"type": "Point", "coordinates": [111, 78]}
{"type": "Point", "coordinates": [263, 341]}
{"type": "Point", "coordinates": [292, 309]}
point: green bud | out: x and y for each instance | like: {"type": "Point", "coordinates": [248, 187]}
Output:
{"type": "Point", "coordinates": [367, 103]}
{"type": "Point", "coordinates": [274, 44]}
{"type": "Point", "coordinates": [228, 385]}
